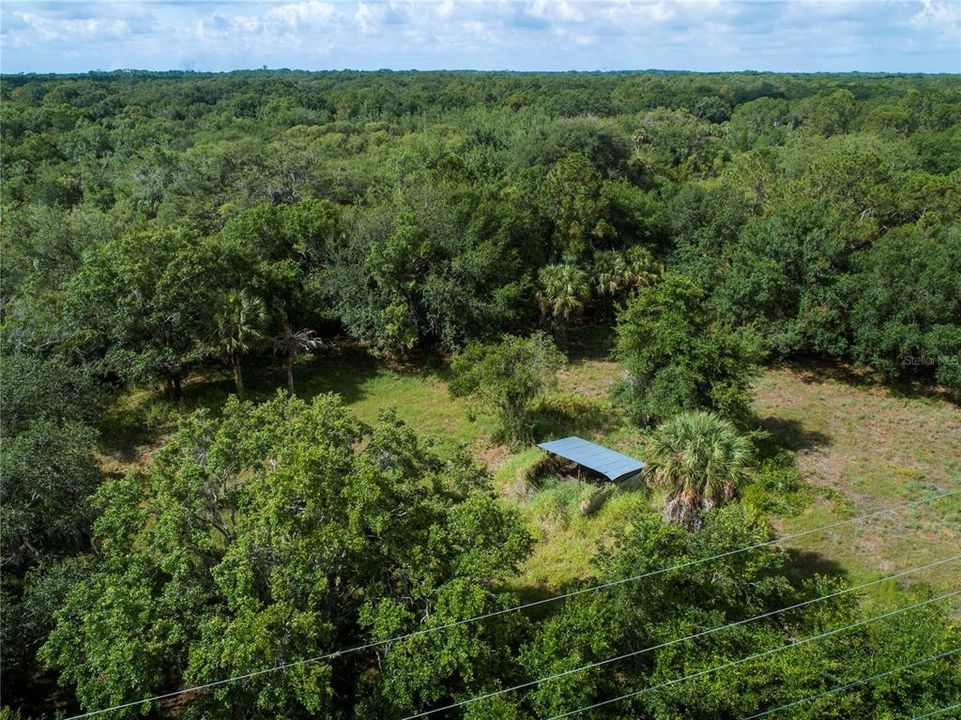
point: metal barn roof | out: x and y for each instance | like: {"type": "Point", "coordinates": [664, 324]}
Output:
{"type": "Point", "coordinates": [595, 457]}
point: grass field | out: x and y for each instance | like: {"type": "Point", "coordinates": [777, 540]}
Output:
{"type": "Point", "coordinates": [860, 447]}
{"type": "Point", "coordinates": [874, 449]}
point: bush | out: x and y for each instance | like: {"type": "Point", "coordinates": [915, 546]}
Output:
{"type": "Point", "coordinates": [508, 376]}
{"type": "Point", "coordinates": [558, 414]}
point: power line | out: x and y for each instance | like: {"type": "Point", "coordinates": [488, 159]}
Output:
{"type": "Point", "coordinates": [446, 626]}
{"type": "Point", "coordinates": [856, 683]}
{"type": "Point", "coordinates": [756, 656]}
{"type": "Point", "coordinates": [703, 633]}
{"type": "Point", "coordinates": [956, 706]}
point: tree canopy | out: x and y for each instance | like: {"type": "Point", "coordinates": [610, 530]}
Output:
{"type": "Point", "coordinates": [163, 231]}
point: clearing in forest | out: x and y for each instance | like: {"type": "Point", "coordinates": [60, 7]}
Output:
{"type": "Point", "coordinates": [860, 448]}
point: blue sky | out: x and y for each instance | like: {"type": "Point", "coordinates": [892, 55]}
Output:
{"type": "Point", "coordinates": [783, 35]}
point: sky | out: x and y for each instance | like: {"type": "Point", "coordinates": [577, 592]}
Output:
{"type": "Point", "coordinates": [706, 35]}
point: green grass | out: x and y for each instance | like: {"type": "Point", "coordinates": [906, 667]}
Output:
{"type": "Point", "coordinates": [859, 448]}
{"type": "Point", "coordinates": [140, 419]}
{"type": "Point", "coordinates": [566, 540]}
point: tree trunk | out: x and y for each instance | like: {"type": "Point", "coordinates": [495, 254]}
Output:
{"type": "Point", "coordinates": [560, 333]}
{"type": "Point", "coordinates": [289, 362]}
{"type": "Point", "coordinates": [173, 389]}
{"type": "Point", "coordinates": [238, 375]}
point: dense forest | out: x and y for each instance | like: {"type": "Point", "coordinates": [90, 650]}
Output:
{"type": "Point", "coordinates": [157, 227]}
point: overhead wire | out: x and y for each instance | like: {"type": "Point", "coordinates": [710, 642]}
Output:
{"type": "Point", "coordinates": [856, 683]}
{"type": "Point", "coordinates": [676, 641]}
{"type": "Point", "coordinates": [956, 706]}
{"type": "Point", "coordinates": [515, 608]}
{"type": "Point", "coordinates": [750, 658]}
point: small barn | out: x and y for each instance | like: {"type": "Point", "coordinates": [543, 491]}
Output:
{"type": "Point", "coordinates": [595, 458]}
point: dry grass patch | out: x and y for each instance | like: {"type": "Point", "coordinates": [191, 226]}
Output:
{"type": "Point", "coordinates": [872, 448]}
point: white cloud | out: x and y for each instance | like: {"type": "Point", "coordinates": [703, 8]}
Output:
{"type": "Point", "coordinates": [446, 9]}
{"type": "Point", "coordinates": [945, 14]}
{"type": "Point", "coordinates": [85, 28]}
{"type": "Point", "coordinates": [556, 10]}
{"type": "Point", "coordinates": [368, 17]}
{"type": "Point", "coordinates": [908, 35]}
{"type": "Point", "coordinates": [302, 14]}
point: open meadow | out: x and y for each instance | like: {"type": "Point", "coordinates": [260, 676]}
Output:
{"type": "Point", "coordinates": [861, 448]}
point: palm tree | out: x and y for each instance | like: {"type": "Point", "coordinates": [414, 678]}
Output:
{"type": "Point", "coordinates": [641, 269]}
{"type": "Point", "coordinates": [564, 291]}
{"type": "Point", "coordinates": [700, 460]}
{"type": "Point", "coordinates": [291, 343]}
{"type": "Point", "coordinates": [610, 272]}
{"type": "Point", "coordinates": [240, 317]}
{"type": "Point", "coordinates": [616, 274]}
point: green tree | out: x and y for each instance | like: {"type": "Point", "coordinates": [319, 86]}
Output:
{"type": "Point", "coordinates": [508, 376]}
{"type": "Point", "coordinates": [783, 275]}
{"type": "Point", "coordinates": [291, 343]}
{"type": "Point", "coordinates": [49, 469]}
{"type": "Point", "coordinates": [908, 329]}
{"type": "Point", "coordinates": [713, 109]}
{"type": "Point", "coordinates": [664, 607]}
{"type": "Point", "coordinates": [616, 274]}
{"type": "Point", "coordinates": [240, 318]}
{"type": "Point", "coordinates": [49, 472]}
{"type": "Point", "coordinates": [563, 293]}
{"type": "Point", "coordinates": [280, 532]}
{"type": "Point", "coordinates": [605, 144]}
{"type": "Point", "coordinates": [704, 221]}
{"type": "Point", "coordinates": [677, 358]}
{"type": "Point", "coordinates": [141, 306]}
{"type": "Point", "coordinates": [572, 199]}
{"type": "Point", "coordinates": [700, 461]}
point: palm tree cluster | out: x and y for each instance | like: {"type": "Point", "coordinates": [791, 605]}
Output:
{"type": "Point", "coordinates": [566, 289]}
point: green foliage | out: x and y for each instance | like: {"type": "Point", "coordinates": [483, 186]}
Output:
{"type": "Point", "coordinates": [573, 201]}
{"type": "Point", "coordinates": [563, 293]}
{"type": "Point", "coordinates": [419, 212]}
{"type": "Point", "coordinates": [902, 327]}
{"type": "Point", "coordinates": [239, 317]}
{"type": "Point", "coordinates": [274, 534]}
{"type": "Point", "coordinates": [617, 274]}
{"type": "Point", "coordinates": [433, 264]}
{"type": "Point", "coordinates": [48, 470]}
{"type": "Point", "coordinates": [701, 597]}
{"type": "Point", "coordinates": [776, 485]}
{"type": "Point", "coordinates": [678, 359]}
{"type": "Point", "coordinates": [602, 142]}
{"type": "Point", "coordinates": [29, 602]}
{"type": "Point", "coordinates": [33, 387]}
{"type": "Point", "coordinates": [508, 376]}
{"type": "Point", "coordinates": [782, 275]}
{"type": "Point", "coordinates": [700, 461]}
{"type": "Point", "coordinates": [136, 303]}
{"type": "Point", "coordinates": [704, 221]}
{"type": "Point", "coordinates": [713, 109]}
{"type": "Point", "coordinates": [48, 473]}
